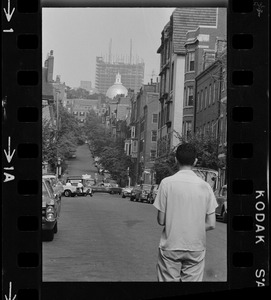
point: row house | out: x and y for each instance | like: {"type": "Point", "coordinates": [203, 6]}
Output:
{"type": "Point", "coordinates": [200, 48]}
{"type": "Point", "coordinates": [178, 66]}
{"type": "Point", "coordinates": [80, 107]}
{"type": "Point", "coordinates": [118, 111]}
{"type": "Point", "coordinates": [142, 141]}
{"type": "Point", "coordinates": [210, 109]}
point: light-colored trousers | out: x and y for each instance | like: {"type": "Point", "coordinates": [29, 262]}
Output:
{"type": "Point", "coordinates": [180, 265]}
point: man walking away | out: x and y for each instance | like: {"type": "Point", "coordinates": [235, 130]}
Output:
{"type": "Point", "coordinates": [186, 208]}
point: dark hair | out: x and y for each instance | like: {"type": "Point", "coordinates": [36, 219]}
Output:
{"type": "Point", "coordinates": [186, 154]}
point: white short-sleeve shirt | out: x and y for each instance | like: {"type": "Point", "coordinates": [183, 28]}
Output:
{"type": "Point", "coordinates": [185, 199]}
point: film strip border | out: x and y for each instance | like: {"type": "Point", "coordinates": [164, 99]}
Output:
{"type": "Point", "coordinates": [248, 144]}
{"type": "Point", "coordinates": [248, 221]}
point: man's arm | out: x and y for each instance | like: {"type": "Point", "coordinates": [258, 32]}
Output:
{"type": "Point", "coordinates": [161, 218]}
{"type": "Point", "coordinates": [210, 221]}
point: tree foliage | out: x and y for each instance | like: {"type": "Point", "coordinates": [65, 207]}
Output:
{"type": "Point", "coordinates": [76, 93]}
{"type": "Point", "coordinates": [61, 143]}
{"type": "Point", "coordinates": [110, 150]}
{"type": "Point", "coordinates": [207, 154]}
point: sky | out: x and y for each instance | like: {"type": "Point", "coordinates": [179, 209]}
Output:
{"type": "Point", "coordinates": [78, 35]}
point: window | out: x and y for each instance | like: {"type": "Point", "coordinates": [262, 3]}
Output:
{"type": "Point", "coordinates": [205, 98]}
{"type": "Point", "coordinates": [210, 94]}
{"type": "Point", "coordinates": [134, 146]}
{"type": "Point", "coordinates": [190, 61]}
{"type": "Point", "coordinates": [189, 96]}
{"type": "Point", "coordinates": [75, 113]}
{"type": "Point", "coordinates": [223, 79]}
{"type": "Point", "coordinates": [153, 154]}
{"type": "Point", "coordinates": [198, 101]}
{"type": "Point", "coordinates": [220, 130]}
{"type": "Point", "coordinates": [214, 91]}
{"type": "Point", "coordinates": [141, 145]}
{"type": "Point", "coordinates": [188, 129]}
{"type": "Point", "coordinates": [201, 100]}
{"type": "Point", "coordinates": [133, 132]}
{"type": "Point", "coordinates": [167, 113]}
{"type": "Point", "coordinates": [154, 135]}
{"type": "Point", "coordinates": [164, 83]}
{"type": "Point", "coordinates": [142, 126]}
{"type": "Point", "coordinates": [82, 113]}
{"type": "Point", "coordinates": [154, 118]}
{"type": "Point", "coordinates": [172, 76]}
{"type": "Point", "coordinates": [127, 148]}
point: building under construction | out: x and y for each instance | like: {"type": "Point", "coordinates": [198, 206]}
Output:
{"type": "Point", "coordinates": [131, 71]}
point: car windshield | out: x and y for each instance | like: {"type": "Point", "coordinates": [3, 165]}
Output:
{"type": "Point", "coordinates": [44, 190]}
{"type": "Point", "coordinates": [146, 186]}
{"type": "Point", "coordinates": [49, 187]}
{"type": "Point", "coordinates": [75, 181]}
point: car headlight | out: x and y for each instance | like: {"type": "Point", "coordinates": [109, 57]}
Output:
{"type": "Point", "coordinates": [50, 209]}
{"type": "Point", "coordinates": [50, 213]}
{"type": "Point", "coordinates": [50, 217]}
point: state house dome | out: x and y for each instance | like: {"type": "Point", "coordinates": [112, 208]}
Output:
{"type": "Point", "coordinates": [117, 88]}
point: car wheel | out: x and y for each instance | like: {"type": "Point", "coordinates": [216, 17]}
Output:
{"type": "Point", "coordinates": [55, 228]}
{"type": "Point", "coordinates": [49, 235]}
{"type": "Point", "coordinates": [67, 193]}
{"type": "Point", "coordinates": [224, 216]}
{"type": "Point", "coordinates": [122, 196]}
{"type": "Point", "coordinates": [131, 199]}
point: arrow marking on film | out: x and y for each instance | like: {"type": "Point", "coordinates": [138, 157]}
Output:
{"type": "Point", "coordinates": [9, 296]}
{"type": "Point", "coordinates": [8, 155]}
{"type": "Point", "coordinates": [8, 13]}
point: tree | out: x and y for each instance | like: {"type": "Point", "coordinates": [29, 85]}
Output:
{"type": "Point", "coordinates": [207, 154]}
{"type": "Point", "coordinates": [207, 149]}
{"type": "Point", "coordinates": [113, 159]}
{"type": "Point", "coordinates": [77, 93]}
{"type": "Point", "coordinates": [110, 150]}
{"type": "Point", "coordinates": [61, 143]}
{"type": "Point", "coordinates": [48, 143]}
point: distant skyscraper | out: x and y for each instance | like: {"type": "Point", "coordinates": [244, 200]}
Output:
{"type": "Point", "coordinates": [132, 74]}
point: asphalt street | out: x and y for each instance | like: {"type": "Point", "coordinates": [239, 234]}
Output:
{"type": "Point", "coordinates": [108, 238]}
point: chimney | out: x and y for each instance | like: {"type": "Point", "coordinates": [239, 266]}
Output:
{"type": "Point", "coordinates": [151, 81]}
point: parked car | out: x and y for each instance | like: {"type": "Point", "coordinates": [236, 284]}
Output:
{"type": "Point", "coordinates": [144, 192]}
{"type": "Point", "coordinates": [55, 183]}
{"type": "Point", "coordinates": [69, 190]}
{"type": "Point", "coordinates": [126, 191]}
{"type": "Point", "coordinates": [221, 210]}
{"type": "Point", "coordinates": [51, 206]}
{"type": "Point", "coordinates": [101, 188]}
{"type": "Point", "coordinates": [153, 193]}
{"type": "Point", "coordinates": [208, 175]}
{"type": "Point", "coordinates": [86, 182]}
{"type": "Point", "coordinates": [114, 188]}
{"type": "Point", "coordinates": [135, 190]}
